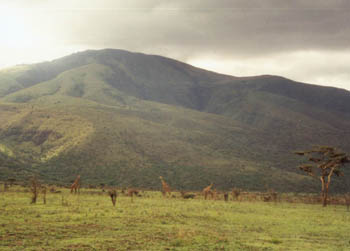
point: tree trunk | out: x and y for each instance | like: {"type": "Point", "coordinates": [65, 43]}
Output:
{"type": "Point", "coordinates": [323, 194]}
{"type": "Point", "coordinates": [327, 186]}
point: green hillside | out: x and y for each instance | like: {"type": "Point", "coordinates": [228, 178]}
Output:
{"type": "Point", "coordinates": [123, 118]}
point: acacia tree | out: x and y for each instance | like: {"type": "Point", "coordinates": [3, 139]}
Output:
{"type": "Point", "coordinates": [325, 161]}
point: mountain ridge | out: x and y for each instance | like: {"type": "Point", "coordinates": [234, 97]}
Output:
{"type": "Point", "coordinates": [150, 114]}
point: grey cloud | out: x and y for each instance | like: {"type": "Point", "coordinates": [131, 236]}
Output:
{"type": "Point", "coordinates": [244, 28]}
{"type": "Point", "coordinates": [185, 29]}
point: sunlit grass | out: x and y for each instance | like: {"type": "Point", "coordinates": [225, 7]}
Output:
{"type": "Point", "coordinates": [89, 221]}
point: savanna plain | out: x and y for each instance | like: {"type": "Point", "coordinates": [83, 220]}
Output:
{"type": "Point", "coordinates": [89, 221]}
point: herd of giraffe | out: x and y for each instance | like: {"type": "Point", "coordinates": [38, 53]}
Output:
{"type": "Point", "coordinates": [206, 191]}
{"type": "Point", "coordinates": [165, 190]}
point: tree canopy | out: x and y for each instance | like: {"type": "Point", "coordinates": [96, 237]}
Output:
{"type": "Point", "coordinates": [325, 161]}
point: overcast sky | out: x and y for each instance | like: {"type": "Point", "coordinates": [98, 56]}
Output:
{"type": "Point", "coordinates": [305, 40]}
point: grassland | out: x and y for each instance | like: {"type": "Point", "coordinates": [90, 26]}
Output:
{"type": "Point", "coordinates": [89, 222]}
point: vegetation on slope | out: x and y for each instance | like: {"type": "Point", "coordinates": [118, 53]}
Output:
{"type": "Point", "coordinates": [125, 118]}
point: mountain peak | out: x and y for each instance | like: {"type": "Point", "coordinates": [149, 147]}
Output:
{"type": "Point", "coordinates": [153, 114]}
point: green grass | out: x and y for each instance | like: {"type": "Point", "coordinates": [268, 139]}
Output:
{"type": "Point", "coordinates": [90, 222]}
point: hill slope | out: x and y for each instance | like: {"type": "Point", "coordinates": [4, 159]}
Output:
{"type": "Point", "coordinates": [125, 118]}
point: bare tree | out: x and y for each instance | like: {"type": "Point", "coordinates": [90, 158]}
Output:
{"type": "Point", "coordinates": [347, 201]}
{"type": "Point", "coordinates": [226, 196]}
{"type": "Point", "coordinates": [113, 195]}
{"type": "Point", "coordinates": [43, 191]}
{"type": "Point", "coordinates": [11, 181]}
{"type": "Point", "coordinates": [35, 188]}
{"type": "Point", "coordinates": [325, 161]}
{"type": "Point", "coordinates": [6, 187]}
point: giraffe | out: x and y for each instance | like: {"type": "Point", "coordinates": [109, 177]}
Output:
{"type": "Point", "coordinates": [207, 191]}
{"type": "Point", "coordinates": [132, 192]}
{"type": "Point", "coordinates": [76, 185]}
{"type": "Point", "coordinates": [165, 187]}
